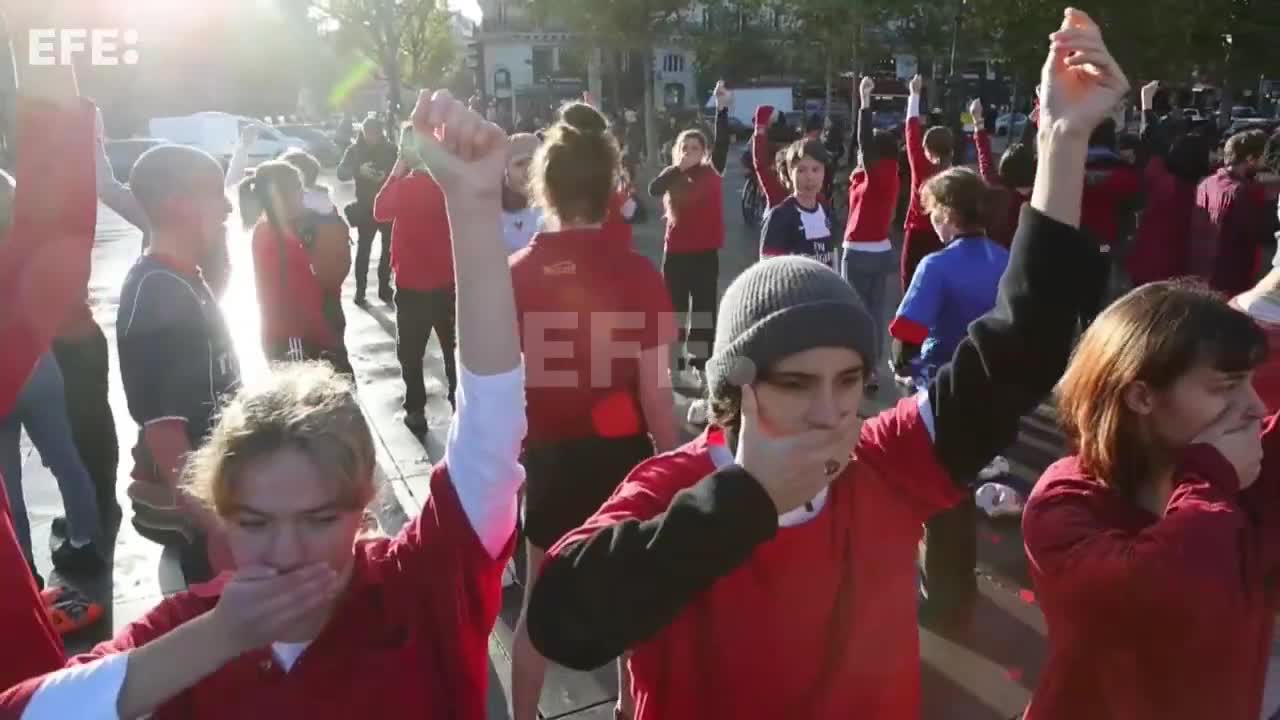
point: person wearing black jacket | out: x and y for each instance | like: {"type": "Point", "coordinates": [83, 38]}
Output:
{"type": "Point", "coordinates": [767, 573]}
{"type": "Point", "coordinates": [368, 161]}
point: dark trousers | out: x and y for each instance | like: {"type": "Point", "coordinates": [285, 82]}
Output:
{"type": "Point", "coordinates": [692, 279]}
{"type": "Point", "coordinates": [916, 244]}
{"type": "Point", "coordinates": [948, 559]}
{"type": "Point", "coordinates": [418, 313]}
{"type": "Point", "coordinates": [364, 244]}
{"type": "Point", "coordinates": [85, 369]}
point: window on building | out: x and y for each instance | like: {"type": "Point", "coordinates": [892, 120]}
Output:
{"type": "Point", "coordinates": [543, 59]}
{"type": "Point", "coordinates": [573, 62]}
{"type": "Point", "coordinates": [673, 95]}
{"type": "Point", "coordinates": [673, 63]}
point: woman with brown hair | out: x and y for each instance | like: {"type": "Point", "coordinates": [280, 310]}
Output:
{"type": "Point", "coordinates": [1152, 547]}
{"type": "Point", "coordinates": [318, 622]}
{"type": "Point", "coordinates": [595, 326]}
{"type": "Point", "coordinates": [691, 189]}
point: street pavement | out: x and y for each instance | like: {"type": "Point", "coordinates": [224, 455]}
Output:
{"type": "Point", "coordinates": [981, 670]}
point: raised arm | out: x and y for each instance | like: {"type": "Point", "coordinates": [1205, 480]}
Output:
{"type": "Point", "coordinates": [982, 142]}
{"type": "Point", "coordinates": [720, 138]}
{"type": "Point", "coordinates": [919, 162]}
{"type": "Point", "coordinates": [864, 139]}
{"type": "Point", "coordinates": [1155, 139]}
{"type": "Point", "coordinates": [239, 161]}
{"type": "Point", "coordinates": [762, 160]}
{"type": "Point", "coordinates": [1014, 354]}
{"type": "Point", "coordinates": [467, 156]}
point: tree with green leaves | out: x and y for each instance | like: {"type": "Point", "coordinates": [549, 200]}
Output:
{"type": "Point", "coordinates": [630, 25]}
{"type": "Point", "coordinates": [407, 39]}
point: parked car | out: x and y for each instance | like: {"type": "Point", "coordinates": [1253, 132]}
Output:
{"type": "Point", "coordinates": [739, 131]}
{"type": "Point", "coordinates": [218, 133]}
{"type": "Point", "coordinates": [319, 143]}
{"type": "Point", "coordinates": [1011, 124]}
{"type": "Point", "coordinates": [122, 154]}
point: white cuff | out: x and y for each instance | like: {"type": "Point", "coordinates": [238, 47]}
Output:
{"type": "Point", "coordinates": [88, 692]}
{"type": "Point", "coordinates": [926, 412]}
{"type": "Point", "coordinates": [913, 106]}
{"type": "Point", "coordinates": [482, 452]}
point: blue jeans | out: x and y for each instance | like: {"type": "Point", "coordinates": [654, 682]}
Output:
{"type": "Point", "coordinates": [42, 410]}
{"type": "Point", "coordinates": [868, 272]}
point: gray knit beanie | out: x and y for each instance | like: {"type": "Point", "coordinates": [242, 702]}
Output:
{"type": "Point", "coordinates": [779, 307]}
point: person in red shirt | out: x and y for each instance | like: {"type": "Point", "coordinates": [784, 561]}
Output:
{"type": "Point", "coordinates": [423, 265]}
{"type": "Point", "coordinates": [1230, 223]}
{"type": "Point", "coordinates": [765, 570]}
{"type": "Point", "coordinates": [928, 154]}
{"type": "Point", "coordinates": [1174, 167]}
{"type": "Point", "coordinates": [46, 244]}
{"type": "Point", "coordinates": [873, 198]}
{"type": "Point", "coordinates": [692, 190]}
{"type": "Point", "coordinates": [292, 298]}
{"type": "Point", "coordinates": [316, 622]}
{"type": "Point", "coordinates": [1110, 198]}
{"type": "Point", "coordinates": [595, 325]}
{"type": "Point", "coordinates": [1152, 547]}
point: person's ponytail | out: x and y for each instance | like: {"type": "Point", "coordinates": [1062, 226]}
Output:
{"type": "Point", "coordinates": [575, 169]}
{"type": "Point", "coordinates": [263, 192]}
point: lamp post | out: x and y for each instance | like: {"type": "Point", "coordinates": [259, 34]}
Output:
{"type": "Point", "coordinates": [954, 100]}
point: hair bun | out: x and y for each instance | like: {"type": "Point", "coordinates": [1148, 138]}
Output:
{"type": "Point", "coordinates": [583, 118]}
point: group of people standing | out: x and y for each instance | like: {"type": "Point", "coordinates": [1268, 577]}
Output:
{"type": "Point", "coordinates": [765, 569]}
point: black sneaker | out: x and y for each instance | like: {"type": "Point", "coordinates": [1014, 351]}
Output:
{"type": "Point", "coordinates": [387, 296]}
{"type": "Point", "coordinates": [72, 560]}
{"type": "Point", "coordinates": [416, 422]}
{"type": "Point", "coordinates": [359, 299]}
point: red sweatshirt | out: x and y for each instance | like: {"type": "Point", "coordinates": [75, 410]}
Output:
{"type": "Point", "coordinates": [696, 223]}
{"type": "Point", "coordinates": [409, 637]}
{"type": "Point", "coordinates": [44, 268]}
{"type": "Point", "coordinates": [290, 294]}
{"type": "Point", "coordinates": [1156, 618]}
{"type": "Point", "coordinates": [762, 158]}
{"type": "Point", "coordinates": [1228, 229]}
{"type": "Point", "coordinates": [1160, 250]}
{"type": "Point", "coordinates": [421, 255]}
{"type": "Point", "coordinates": [1110, 188]}
{"type": "Point", "coordinates": [848, 651]}
{"type": "Point", "coordinates": [587, 305]}
{"type": "Point", "coordinates": [873, 198]}
{"type": "Point", "coordinates": [921, 171]}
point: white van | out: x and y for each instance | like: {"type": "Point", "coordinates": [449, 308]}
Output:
{"type": "Point", "coordinates": [217, 134]}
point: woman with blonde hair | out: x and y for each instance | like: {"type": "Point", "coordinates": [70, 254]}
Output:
{"type": "Point", "coordinates": [316, 622]}
{"type": "Point", "coordinates": [521, 218]}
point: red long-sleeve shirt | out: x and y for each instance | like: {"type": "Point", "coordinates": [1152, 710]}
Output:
{"type": "Point", "coordinates": [763, 161]}
{"type": "Point", "coordinates": [44, 267]}
{"type": "Point", "coordinates": [421, 253]}
{"type": "Point", "coordinates": [921, 170]}
{"type": "Point", "coordinates": [290, 294]}
{"type": "Point", "coordinates": [1156, 618]}
{"type": "Point", "coordinates": [1160, 249]}
{"type": "Point", "coordinates": [1228, 228]}
{"type": "Point", "coordinates": [1111, 186]}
